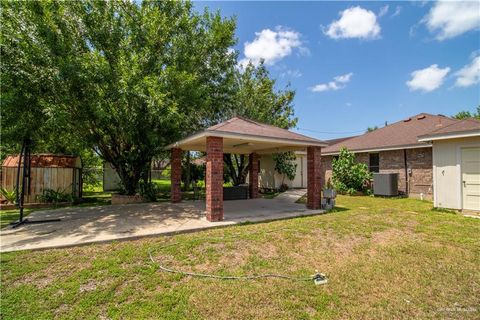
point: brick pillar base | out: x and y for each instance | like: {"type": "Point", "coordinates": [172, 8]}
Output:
{"type": "Point", "coordinates": [176, 174]}
{"type": "Point", "coordinates": [253, 175]}
{"type": "Point", "coordinates": [313, 177]}
{"type": "Point", "coordinates": [214, 179]}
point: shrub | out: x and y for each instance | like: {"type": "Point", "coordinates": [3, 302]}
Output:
{"type": "Point", "coordinates": [285, 165]}
{"type": "Point", "coordinates": [148, 190]}
{"type": "Point", "coordinates": [348, 175]}
{"type": "Point", "coordinates": [55, 196]}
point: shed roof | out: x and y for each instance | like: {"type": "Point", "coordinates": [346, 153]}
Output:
{"type": "Point", "coordinates": [460, 129]}
{"type": "Point", "coordinates": [45, 161]}
{"type": "Point", "coordinates": [243, 135]}
{"type": "Point", "coordinates": [399, 135]}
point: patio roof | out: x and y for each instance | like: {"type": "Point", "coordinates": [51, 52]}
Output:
{"type": "Point", "coordinates": [244, 136]}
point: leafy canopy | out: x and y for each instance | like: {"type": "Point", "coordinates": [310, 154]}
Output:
{"type": "Point", "coordinates": [257, 98]}
{"type": "Point", "coordinates": [124, 78]}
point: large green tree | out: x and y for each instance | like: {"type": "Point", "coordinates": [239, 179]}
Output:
{"type": "Point", "coordinates": [125, 78]}
{"type": "Point", "coordinates": [467, 114]}
{"type": "Point", "coordinates": [256, 97]}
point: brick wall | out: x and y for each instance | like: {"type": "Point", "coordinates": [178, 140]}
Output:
{"type": "Point", "coordinates": [393, 162]}
{"type": "Point", "coordinates": [326, 169]}
{"type": "Point", "coordinates": [214, 177]}
{"type": "Point", "coordinates": [253, 170]}
{"type": "Point", "coordinates": [176, 174]}
{"type": "Point", "coordinates": [314, 175]}
{"type": "Point", "coordinates": [419, 161]}
{"type": "Point", "coordinates": [421, 178]}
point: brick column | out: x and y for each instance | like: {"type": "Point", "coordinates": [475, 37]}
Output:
{"type": "Point", "coordinates": [313, 177]}
{"type": "Point", "coordinates": [253, 175]}
{"type": "Point", "coordinates": [176, 174]}
{"type": "Point", "coordinates": [214, 179]}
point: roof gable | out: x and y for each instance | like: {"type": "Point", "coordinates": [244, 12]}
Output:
{"type": "Point", "coordinates": [461, 126]}
{"type": "Point", "coordinates": [240, 125]}
{"type": "Point", "coordinates": [244, 136]}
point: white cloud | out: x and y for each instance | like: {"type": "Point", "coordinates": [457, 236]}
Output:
{"type": "Point", "coordinates": [291, 74]}
{"type": "Point", "coordinates": [339, 82]}
{"type": "Point", "coordinates": [343, 78]}
{"type": "Point", "coordinates": [383, 11]}
{"type": "Point", "coordinates": [398, 10]}
{"type": "Point", "coordinates": [469, 74]}
{"type": "Point", "coordinates": [427, 79]}
{"type": "Point", "coordinates": [355, 22]}
{"type": "Point", "coordinates": [449, 19]}
{"type": "Point", "coordinates": [272, 46]}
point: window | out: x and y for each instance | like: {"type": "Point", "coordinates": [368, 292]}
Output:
{"type": "Point", "coordinates": [374, 162]}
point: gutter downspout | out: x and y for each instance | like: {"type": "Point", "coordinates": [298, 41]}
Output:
{"type": "Point", "coordinates": [407, 189]}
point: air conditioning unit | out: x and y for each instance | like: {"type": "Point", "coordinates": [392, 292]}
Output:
{"type": "Point", "coordinates": [385, 184]}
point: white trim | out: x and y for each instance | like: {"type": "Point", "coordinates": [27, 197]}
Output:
{"type": "Point", "coordinates": [460, 147]}
{"type": "Point", "coordinates": [416, 146]}
{"type": "Point", "coordinates": [459, 177]}
{"type": "Point", "coordinates": [452, 135]}
{"type": "Point", "coordinates": [434, 187]}
{"type": "Point", "coordinates": [220, 134]}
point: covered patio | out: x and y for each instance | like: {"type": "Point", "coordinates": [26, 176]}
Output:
{"type": "Point", "coordinates": [78, 226]}
{"type": "Point", "coordinates": [243, 136]}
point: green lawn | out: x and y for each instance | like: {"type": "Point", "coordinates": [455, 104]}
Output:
{"type": "Point", "coordinates": [385, 258]}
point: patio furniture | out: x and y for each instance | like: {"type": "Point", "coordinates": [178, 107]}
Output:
{"type": "Point", "coordinates": [235, 193]}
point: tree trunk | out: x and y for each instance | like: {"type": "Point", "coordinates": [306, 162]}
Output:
{"type": "Point", "coordinates": [237, 166]}
{"type": "Point", "coordinates": [130, 173]}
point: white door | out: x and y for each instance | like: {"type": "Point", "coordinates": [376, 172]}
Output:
{"type": "Point", "coordinates": [471, 178]}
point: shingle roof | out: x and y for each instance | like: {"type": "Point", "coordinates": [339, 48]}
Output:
{"type": "Point", "coordinates": [45, 161]}
{"type": "Point", "coordinates": [399, 134]}
{"type": "Point", "coordinates": [240, 125]}
{"type": "Point", "coordinates": [460, 126]}
{"type": "Point", "coordinates": [331, 142]}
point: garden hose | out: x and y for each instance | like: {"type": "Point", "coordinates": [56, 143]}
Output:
{"type": "Point", "coordinates": [318, 278]}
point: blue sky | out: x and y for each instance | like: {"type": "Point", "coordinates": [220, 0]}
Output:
{"type": "Point", "coordinates": [359, 64]}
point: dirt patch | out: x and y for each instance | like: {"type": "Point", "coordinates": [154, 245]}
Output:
{"type": "Point", "coordinates": [87, 287]}
{"type": "Point", "coordinates": [392, 235]}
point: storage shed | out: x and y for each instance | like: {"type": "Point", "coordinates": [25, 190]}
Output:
{"type": "Point", "coordinates": [456, 165]}
{"type": "Point", "coordinates": [61, 173]}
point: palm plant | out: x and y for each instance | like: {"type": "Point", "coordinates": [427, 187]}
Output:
{"type": "Point", "coordinates": [10, 196]}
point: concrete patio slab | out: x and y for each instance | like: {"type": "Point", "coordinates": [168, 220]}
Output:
{"type": "Point", "coordinates": [106, 223]}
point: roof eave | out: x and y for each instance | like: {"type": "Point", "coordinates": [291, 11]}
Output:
{"type": "Point", "coordinates": [213, 133]}
{"type": "Point", "coordinates": [452, 135]}
{"type": "Point", "coordinates": [411, 146]}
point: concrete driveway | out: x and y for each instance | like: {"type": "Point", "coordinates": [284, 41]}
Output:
{"type": "Point", "coordinates": [106, 223]}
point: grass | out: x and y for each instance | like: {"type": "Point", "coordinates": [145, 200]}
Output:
{"type": "Point", "coordinates": [9, 216]}
{"type": "Point", "coordinates": [270, 194]}
{"type": "Point", "coordinates": [385, 258]}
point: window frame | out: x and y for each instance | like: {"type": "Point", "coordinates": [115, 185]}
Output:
{"type": "Point", "coordinates": [374, 167]}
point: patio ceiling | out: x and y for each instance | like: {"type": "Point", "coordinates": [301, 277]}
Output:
{"type": "Point", "coordinates": [244, 136]}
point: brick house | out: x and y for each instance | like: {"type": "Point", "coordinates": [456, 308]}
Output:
{"type": "Point", "coordinates": [394, 148]}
